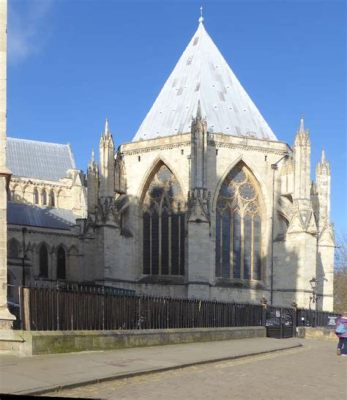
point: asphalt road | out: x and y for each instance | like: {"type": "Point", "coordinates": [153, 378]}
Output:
{"type": "Point", "coordinates": [311, 372]}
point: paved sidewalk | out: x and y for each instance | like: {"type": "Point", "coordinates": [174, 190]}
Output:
{"type": "Point", "coordinates": [40, 374]}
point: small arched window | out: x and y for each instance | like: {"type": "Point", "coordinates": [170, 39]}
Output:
{"type": "Point", "coordinates": [43, 257]}
{"type": "Point", "coordinates": [36, 196]}
{"type": "Point", "coordinates": [44, 197]}
{"type": "Point", "coordinates": [238, 227]}
{"type": "Point", "coordinates": [13, 248]}
{"type": "Point", "coordinates": [61, 263]}
{"type": "Point", "coordinates": [51, 199]}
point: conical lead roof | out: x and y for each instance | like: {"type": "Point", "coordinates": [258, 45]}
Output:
{"type": "Point", "coordinates": [202, 74]}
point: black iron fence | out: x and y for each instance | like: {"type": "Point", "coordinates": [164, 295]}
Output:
{"type": "Point", "coordinates": [314, 318]}
{"type": "Point", "coordinates": [98, 308]}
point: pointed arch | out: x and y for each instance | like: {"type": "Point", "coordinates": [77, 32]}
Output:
{"type": "Point", "coordinates": [163, 218]}
{"type": "Point", "coordinates": [154, 167]}
{"type": "Point", "coordinates": [239, 213]}
{"type": "Point", "coordinates": [265, 196]}
{"type": "Point", "coordinates": [73, 251]}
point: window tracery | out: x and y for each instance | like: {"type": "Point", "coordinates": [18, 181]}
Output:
{"type": "Point", "coordinates": [163, 225]}
{"type": "Point", "coordinates": [238, 227]}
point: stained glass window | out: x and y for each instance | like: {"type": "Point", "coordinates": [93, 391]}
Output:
{"type": "Point", "coordinates": [226, 244]}
{"type": "Point", "coordinates": [247, 252]}
{"type": "Point", "coordinates": [238, 226]}
{"type": "Point", "coordinates": [164, 242]}
{"type": "Point", "coordinates": [146, 243]}
{"type": "Point", "coordinates": [155, 242]}
{"type": "Point", "coordinates": [256, 247]}
{"type": "Point", "coordinates": [237, 246]}
{"type": "Point", "coordinates": [174, 244]}
{"type": "Point", "coordinates": [163, 225]}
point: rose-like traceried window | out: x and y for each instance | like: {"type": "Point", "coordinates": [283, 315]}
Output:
{"type": "Point", "coordinates": [238, 227]}
{"type": "Point", "coordinates": [163, 225]}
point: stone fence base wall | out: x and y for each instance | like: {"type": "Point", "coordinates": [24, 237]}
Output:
{"type": "Point", "coordinates": [39, 342]}
{"type": "Point", "coordinates": [316, 333]}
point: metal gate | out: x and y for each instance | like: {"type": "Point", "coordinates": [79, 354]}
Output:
{"type": "Point", "coordinates": [280, 322]}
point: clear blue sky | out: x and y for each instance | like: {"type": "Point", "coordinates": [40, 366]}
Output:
{"type": "Point", "coordinates": [73, 63]}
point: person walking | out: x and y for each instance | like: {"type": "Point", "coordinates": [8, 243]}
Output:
{"type": "Point", "coordinates": [341, 332]}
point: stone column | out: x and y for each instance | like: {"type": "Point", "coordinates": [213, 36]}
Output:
{"type": "Point", "coordinates": [5, 317]}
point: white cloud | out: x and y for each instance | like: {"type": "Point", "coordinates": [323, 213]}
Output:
{"type": "Point", "coordinates": [28, 28]}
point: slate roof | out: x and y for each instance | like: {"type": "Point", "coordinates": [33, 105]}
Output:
{"type": "Point", "coordinates": [202, 74]}
{"type": "Point", "coordinates": [38, 160]}
{"type": "Point", "coordinates": [31, 215]}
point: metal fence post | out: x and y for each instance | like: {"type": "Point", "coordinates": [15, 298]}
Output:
{"type": "Point", "coordinates": [58, 317]}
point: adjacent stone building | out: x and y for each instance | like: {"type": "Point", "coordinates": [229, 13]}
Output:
{"type": "Point", "coordinates": [205, 202]}
{"type": "Point", "coordinates": [46, 196]}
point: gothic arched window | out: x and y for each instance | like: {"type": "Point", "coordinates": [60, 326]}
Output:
{"type": "Point", "coordinates": [163, 225]}
{"type": "Point", "coordinates": [61, 263]}
{"type": "Point", "coordinates": [36, 196]}
{"type": "Point", "coordinates": [51, 199]}
{"type": "Point", "coordinates": [43, 257]}
{"type": "Point", "coordinates": [44, 197]}
{"type": "Point", "coordinates": [238, 227]}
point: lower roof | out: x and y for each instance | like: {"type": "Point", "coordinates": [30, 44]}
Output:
{"type": "Point", "coordinates": [40, 217]}
{"type": "Point", "coordinates": [38, 160]}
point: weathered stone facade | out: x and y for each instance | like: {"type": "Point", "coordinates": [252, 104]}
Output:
{"type": "Point", "coordinates": [295, 240]}
{"type": "Point", "coordinates": [203, 213]}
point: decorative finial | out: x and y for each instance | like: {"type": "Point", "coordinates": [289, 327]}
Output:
{"type": "Point", "coordinates": [93, 156]}
{"type": "Point", "coordinates": [302, 127]}
{"type": "Point", "coordinates": [107, 130]}
{"type": "Point", "coordinates": [201, 19]}
{"type": "Point", "coordinates": [198, 112]}
{"type": "Point", "coordinates": [323, 156]}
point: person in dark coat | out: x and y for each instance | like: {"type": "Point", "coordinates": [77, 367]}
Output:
{"type": "Point", "coordinates": [341, 332]}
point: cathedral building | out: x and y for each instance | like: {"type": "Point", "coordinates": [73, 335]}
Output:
{"type": "Point", "coordinates": [205, 202]}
